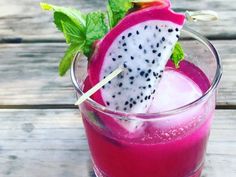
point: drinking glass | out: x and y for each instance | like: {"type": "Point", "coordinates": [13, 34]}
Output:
{"type": "Point", "coordinates": [171, 143]}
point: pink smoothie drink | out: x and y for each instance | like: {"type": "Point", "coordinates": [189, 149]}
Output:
{"type": "Point", "coordinates": [170, 146]}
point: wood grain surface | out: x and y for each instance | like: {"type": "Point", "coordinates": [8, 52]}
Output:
{"type": "Point", "coordinates": [24, 21]}
{"type": "Point", "coordinates": [29, 74]}
{"type": "Point", "coordinates": [53, 143]}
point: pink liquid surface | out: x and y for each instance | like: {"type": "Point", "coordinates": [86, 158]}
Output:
{"type": "Point", "coordinates": [171, 148]}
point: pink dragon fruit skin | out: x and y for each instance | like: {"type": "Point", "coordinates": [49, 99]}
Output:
{"type": "Point", "coordinates": [147, 14]}
{"type": "Point", "coordinates": [102, 63]}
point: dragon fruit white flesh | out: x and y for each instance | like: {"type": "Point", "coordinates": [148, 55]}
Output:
{"type": "Point", "coordinates": [142, 43]}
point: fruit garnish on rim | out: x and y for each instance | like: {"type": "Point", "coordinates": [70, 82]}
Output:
{"type": "Point", "coordinates": [127, 58]}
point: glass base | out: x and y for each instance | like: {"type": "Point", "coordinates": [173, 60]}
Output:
{"type": "Point", "coordinates": [197, 173]}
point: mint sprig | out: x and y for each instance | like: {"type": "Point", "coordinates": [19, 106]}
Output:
{"type": "Point", "coordinates": [80, 31]}
{"type": "Point", "coordinates": [116, 10]}
{"type": "Point", "coordinates": [177, 55]}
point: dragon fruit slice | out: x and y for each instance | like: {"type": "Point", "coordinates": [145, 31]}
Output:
{"type": "Point", "coordinates": [142, 43]}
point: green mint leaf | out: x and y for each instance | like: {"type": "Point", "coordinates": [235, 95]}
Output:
{"type": "Point", "coordinates": [66, 14]}
{"type": "Point", "coordinates": [177, 55]}
{"type": "Point", "coordinates": [117, 9]}
{"type": "Point", "coordinates": [68, 58]}
{"type": "Point", "coordinates": [80, 31]}
{"type": "Point", "coordinates": [72, 33]}
{"type": "Point", "coordinates": [96, 28]}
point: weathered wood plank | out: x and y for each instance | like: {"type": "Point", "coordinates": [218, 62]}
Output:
{"type": "Point", "coordinates": [29, 75]}
{"type": "Point", "coordinates": [53, 142]}
{"type": "Point", "coordinates": [24, 20]}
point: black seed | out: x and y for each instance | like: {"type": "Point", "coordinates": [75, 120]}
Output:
{"type": "Point", "coordinates": [121, 76]}
{"type": "Point", "coordinates": [124, 44]}
{"type": "Point", "coordinates": [138, 97]}
{"type": "Point", "coordinates": [170, 30]}
{"type": "Point", "coordinates": [130, 34]}
{"type": "Point", "coordinates": [113, 59]}
{"type": "Point", "coordinates": [123, 37]}
{"type": "Point", "coordinates": [146, 97]}
{"type": "Point", "coordinates": [141, 101]}
{"type": "Point", "coordinates": [119, 56]}
{"type": "Point", "coordinates": [131, 99]}
{"type": "Point", "coordinates": [109, 82]}
{"type": "Point", "coordinates": [159, 54]}
{"type": "Point", "coordinates": [125, 50]}
{"type": "Point", "coordinates": [146, 75]}
{"type": "Point", "coordinates": [161, 71]}
{"type": "Point", "coordinates": [103, 86]}
{"type": "Point", "coordinates": [142, 73]}
{"type": "Point", "coordinates": [147, 61]}
{"type": "Point", "coordinates": [130, 70]}
{"type": "Point", "coordinates": [137, 32]}
{"type": "Point", "coordinates": [144, 51]}
{"type": "Point", "coordinates": [132, 77]}
{"type": "Point", "coordinates": [153, 91]}
{"type": "Point", "coordinates": [155, 74]}
{"type": "Point", "coordinates": [125, 109]}
{"type": "Point", "coordinates": [153, 61]}
{"type": "Point", "coordinates": [126, 103]}
{"type": "Point", "coordinates": [159, 76]}
{"type": "Point", "coordinates": [130, 105]}
{"type": "Point", "coordinates": [125, 66]}
{"type": "Point", "coordinates": [149, 71]}
{"type": "Point", "coordinates": [149, 97]}
{"type": "Point", "coordinates": [154, 51]}
{"type": "Point", "coordinates": [134, 102]}
{"type": "Point", "coordinates": [120, 84]}
{"type": "Point", "coordinates": [108, 103]}
{"type": "Point", "coordinates": [149, 86]}
{"type": "Point", "coordinates": [157, 27]}
{"type": "Point", "coordinates": [144, 87]}
{"type": "Point", "coordinates": [176, 29]}
{"type": "Point", "coordinates": [163, 39]}
{"type": "Point", "coordinates": [131, 57]}
{"type": "Point", "coordinates": [113, 96]}
{"type": "Point", "coordinates": [131, 83]}
{"type": "Point", "coordinates": [177, 36]}
{"type": "Point", "coordinates": [119, 93]}
{"type": "Point", "coordinates": [159, 30]}
{"type": "Point", "coordinates": [140, 46]}
{"type": "Point", "coordinates": [141, 93]}
{"type": "Point", "coordinates": [148, 79]}
{"type": "Point", "coordinates": [145, 27]}
{"type": "Point", "coordinates": [138, 69]}
{"type": "Point", "coordinates": [157, 45]}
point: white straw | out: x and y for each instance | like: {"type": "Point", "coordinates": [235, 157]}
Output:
{"type": "Point", "coordinates": [99, 85]}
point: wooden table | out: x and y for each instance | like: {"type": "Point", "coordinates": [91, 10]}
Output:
{"type": "Point", "coordinates": [41, 133]}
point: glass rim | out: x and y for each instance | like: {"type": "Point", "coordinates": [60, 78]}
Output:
{"type": "Point", "coordinates": [162, 114]}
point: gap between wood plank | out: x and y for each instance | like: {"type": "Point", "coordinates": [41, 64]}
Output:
{"type": "Point", "coordinates": [72, 106]}
{"type": "Point", "coordinates": [19, 40]}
